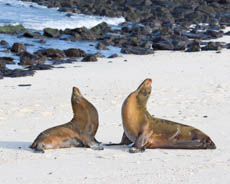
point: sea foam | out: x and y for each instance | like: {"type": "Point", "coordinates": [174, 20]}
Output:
{"type": "Point", "coordinates": [33, 16]}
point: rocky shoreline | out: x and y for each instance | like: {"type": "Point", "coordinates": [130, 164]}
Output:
{"type": "Point", "coordinates": [150, 25]}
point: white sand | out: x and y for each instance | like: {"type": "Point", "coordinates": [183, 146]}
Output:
{"type": "Point", "coordinates": [186, 87]}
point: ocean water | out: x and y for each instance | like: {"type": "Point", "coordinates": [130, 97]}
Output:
{"type": "Point", "coordinates": [33, 16]}
{"type": "Point", "coordinates": [36, 18]}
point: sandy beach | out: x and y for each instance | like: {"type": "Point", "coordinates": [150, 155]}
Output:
{"type": "Point", "coordinates": [190, 88]}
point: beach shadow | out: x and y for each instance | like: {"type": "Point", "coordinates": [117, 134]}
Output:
{"type": "Point", "coordinates": [16, 145]}
{"type": "Point", "coordinates": [124, 148]}
{"type": "Point", "coordinates": [20, 145]}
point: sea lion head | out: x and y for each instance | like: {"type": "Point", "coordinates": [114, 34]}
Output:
{"type": "Point", "coordinates": [77, 100]}
{"type": "Point", "coordinates": [76, 92]}
{"type": "Point", "coordinates": [143, 91]}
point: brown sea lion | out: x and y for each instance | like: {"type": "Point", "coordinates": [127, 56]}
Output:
{"type": "Point", "coordinates": [146, 131]}
{"type": "Point", "coordinates": [79, 132]}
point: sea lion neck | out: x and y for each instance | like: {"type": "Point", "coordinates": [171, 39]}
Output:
{"type": "Point", "coordinates": [77, 101]}
{"type": "Point", "coordinates": [141, 103]}
{"type": "Point", "coordinates": [78, 107]}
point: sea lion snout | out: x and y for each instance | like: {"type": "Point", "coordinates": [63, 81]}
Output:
{"type": "Point", "coordinates": [76, 91]}
{"type": "Point", "coordinates": [145, 87]}
{"type": "Point", "coordinates": [148, 86]}
{"type": "Point", "coordinates": [147, 82]}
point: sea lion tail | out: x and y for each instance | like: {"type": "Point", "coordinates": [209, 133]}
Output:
{"type": "Point", "coordinates": [204, 139]}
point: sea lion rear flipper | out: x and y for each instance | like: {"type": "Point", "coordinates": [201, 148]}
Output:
{"type": "Point", "coordinates": [39, 150]}
{"type": "Point", "coordinates": [124, 141]}
{"type": "Point", "coordinates": [186, 144]}
{"type": "Point", "coordinates": [203, 143]}
{"type": "Point", "coordinates": [194, 144]}
{"type": "Point", "coordinates": [36, 146]}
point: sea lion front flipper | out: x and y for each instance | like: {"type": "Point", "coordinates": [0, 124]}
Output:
{"type": "Point", "coordinates": [95, 145]}
{"type": "Point", "coordinates": [140, 143]}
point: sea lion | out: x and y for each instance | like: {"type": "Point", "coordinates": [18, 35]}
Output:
{"type": "Point", "coordinates": [79, 132]}
{"type": "Point", "coordinates": [146, 131]}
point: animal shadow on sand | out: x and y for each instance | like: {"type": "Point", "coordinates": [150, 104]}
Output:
{"type": "Point", "coordinates": [15, 145]}
{"type": "Point", "coordinates": [123, 148]}
{"type": "Point", "coordinates": [20, 145]}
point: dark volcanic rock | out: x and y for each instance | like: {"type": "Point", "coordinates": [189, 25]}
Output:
{"type": "Point", "coordinates": [60, 61]}
{"type": "Point", "coordinates": [215, 46]}
{"type": "Point", "coordinates": [1, 75]}
{"type": "Point", "coordinates": [2, 66]}
{"type": "Point", "coordinates": [101, 46]}
{"type": "Point", "coordinates": [27, 58]}
{"type": "Point", "coordinates": [147, 11]}
{"type": "Point", "coordinates": [51, 53]}
{"type": "Point", "coordinates": [195, 35]}
{"type": "Point", "coordinates": [146, 45]}
{"type": "Point", "coordinates": [179, 44]}
{"type": "Point", "coordinates": [40, 67]}
{"type": "Point", "coordinates": [7, 60]}
{"type": "Point", "coordinates": [4, 43]}
{"type": "Point", "coordinates": [98, 55]}
{"type": "Point", "coordinates": [32, 35]}
{"type": "Point", "coordinates": [194, 46]}
{"type": "Point", "coordinates": [18, 48]}
{"type": "Point", "coordinates": [42, 41]}
{"type": "Point", "coordinates": [72, 52]}
{"type": "Point", "coordinates": [113, 56]}
{"type": "Point", "coordinates": [90, 58]}
{"type": "Point", "coordinates": [214, 34]}
{"type": "Point", "coordinates": [82, 34]}
{"type": "Point", "coordinates": [53, 33]}
{"type": "Point", "coordinates": [17, 73]}
{"type": "Point", "coordinates": [101, 28]}
{"type": "Point", "coordinates": [162, 43]}
{"type": "Point", "coordinates": [160, 24]}
{"type": "Point", "coordinates": [137, 51]}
